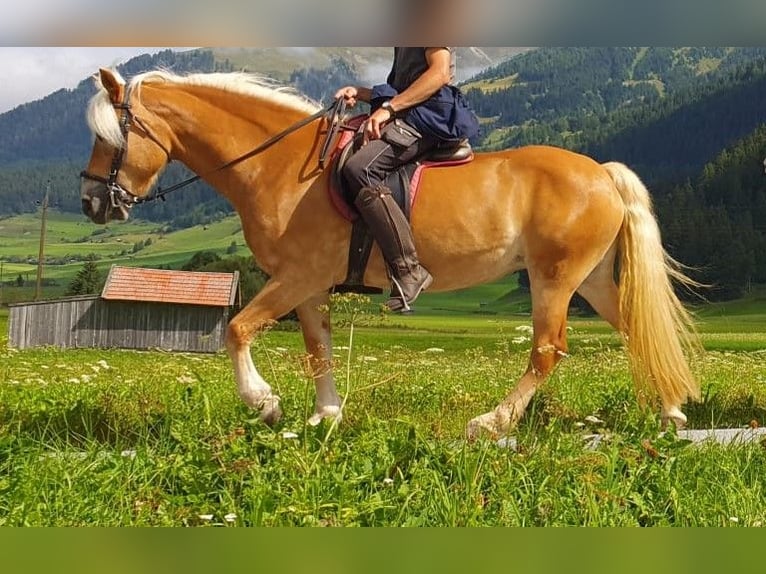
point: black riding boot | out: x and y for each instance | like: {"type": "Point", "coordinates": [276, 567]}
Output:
{"type": "Point", "coordinates": [392, 232]}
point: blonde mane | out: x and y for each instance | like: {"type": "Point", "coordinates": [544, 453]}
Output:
{"type": "Point", "coordinates": [104, 122]}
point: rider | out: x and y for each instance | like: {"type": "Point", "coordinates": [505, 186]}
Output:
{"type": "Point", "coordinates": [419, 94]}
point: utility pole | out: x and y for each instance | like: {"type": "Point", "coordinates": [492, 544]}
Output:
{"type": "Point", "coordinates": [41, 253]}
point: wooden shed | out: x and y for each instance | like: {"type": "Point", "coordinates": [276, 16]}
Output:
{"type": "Point", "coordinates": [138, 309]}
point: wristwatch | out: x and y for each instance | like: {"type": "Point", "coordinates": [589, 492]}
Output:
{"type": "Point", "coordinates": [387, 106]}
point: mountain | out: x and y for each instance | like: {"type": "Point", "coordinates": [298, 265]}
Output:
{"type": "Point", "coordinates": [370, 64]}
{"type": "Point", "coordinates": [687, 119]}
{"type": "Point", "coordinates": [48, 141]}
{"type": "Point", "coordinates": [665, 111]}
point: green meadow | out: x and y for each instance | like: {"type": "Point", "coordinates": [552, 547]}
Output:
{"type": "Point", "coordinates": [110, 437]}
{"type": "Point", "coordinates": [126, 438]}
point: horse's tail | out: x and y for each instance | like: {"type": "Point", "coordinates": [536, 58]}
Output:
{"type": "Point", "coordinates": [657, 327]}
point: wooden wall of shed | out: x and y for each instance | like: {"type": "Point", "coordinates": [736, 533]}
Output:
{"type": "Point", "coordinates": [95, 322]}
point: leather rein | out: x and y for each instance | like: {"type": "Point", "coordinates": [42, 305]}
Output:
{"type": "Point", "coordinates": [121, 197]}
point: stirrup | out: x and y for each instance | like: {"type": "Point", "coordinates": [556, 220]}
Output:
{"type": "Point", "coordinates": [405, 305]}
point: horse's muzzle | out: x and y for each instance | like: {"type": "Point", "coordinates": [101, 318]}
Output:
{"type": "Point", "coordinates": [97, 206]}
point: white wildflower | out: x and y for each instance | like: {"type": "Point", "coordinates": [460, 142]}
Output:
{"type": "Point", "coordinates": [103, 364]}
{"type": "Point", "coordinates": [206, 517]}
{"type": "Point", "coordinates": [369, 359]}
{"type": "Point", "coordinates": [593, 420]}
{"type": "Point", "coordinates": [231, 517]}
{"type": "Point", "coordinates": [733, 519]}
{"type": "Point", "coordinates": [388, 481]}
{"type": "Point", "coordinates": [289, 434]}
{"type": "Point", "coordinates": [434, 350]}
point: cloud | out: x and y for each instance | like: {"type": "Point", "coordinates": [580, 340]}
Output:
{"type": "Point", "coordinates": [31, 73]}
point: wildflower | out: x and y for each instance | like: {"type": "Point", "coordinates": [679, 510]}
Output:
{"type": "Point", "coordinates": [207, 517]}
{"type": "Point", "coordinates": [231, 517]}
{"type": "Point", "coordinates": [388, 481]}
{"type": "Point", "coordinates": [434, 350]}
{"type": "Point", "coordinates": [288, 434]}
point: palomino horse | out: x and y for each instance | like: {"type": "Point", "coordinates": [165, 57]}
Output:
{"type": "Point", "coordinates": [564, 217]}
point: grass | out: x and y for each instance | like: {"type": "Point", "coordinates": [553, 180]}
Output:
{"type": "Point", "coordinates": [70, 238]}
{"type": "Point", "coordinates": [124, 438]}
{"type": "Point", "coordinates": [111, 437]}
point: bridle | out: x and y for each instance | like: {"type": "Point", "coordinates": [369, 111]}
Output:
{"type": "Point", "coordinates": [121, 197]}
{"type": "Point", "coordinates": [118, 195]}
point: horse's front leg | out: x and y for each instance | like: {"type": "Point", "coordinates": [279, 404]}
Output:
{"type": "Point", "coordinates": [276, 299]}
{"type": "Point", "coordinates": [314, 315]}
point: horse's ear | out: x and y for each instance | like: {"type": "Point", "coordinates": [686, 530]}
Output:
{"type": "Point", "coordinates": [113, 83]}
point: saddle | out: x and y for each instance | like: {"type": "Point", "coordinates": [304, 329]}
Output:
{"type": "Point", "coordinates": [404, 184]}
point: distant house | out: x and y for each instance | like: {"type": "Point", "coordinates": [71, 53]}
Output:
{"type": "Point", "coordinates": [138, 309]}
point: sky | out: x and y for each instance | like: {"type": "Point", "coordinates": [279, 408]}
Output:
{"type": "Point", "coordinates": [31, 73]}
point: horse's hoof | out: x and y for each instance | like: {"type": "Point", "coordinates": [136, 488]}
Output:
{"type": "Point", "coordinates": [332, 412]}
{"type": "Point", "coordinates": [270, 410]}
{"type": "Point", "coordinates": [675, 416]}
{"type": "Point", "coordinates": [481, 426]}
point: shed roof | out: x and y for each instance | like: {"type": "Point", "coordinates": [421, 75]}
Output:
{"type": "Point", "coordinates": [167, 286]}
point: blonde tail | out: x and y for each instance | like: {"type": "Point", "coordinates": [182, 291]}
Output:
{"type": "Point", "coordinates": [657, 327]}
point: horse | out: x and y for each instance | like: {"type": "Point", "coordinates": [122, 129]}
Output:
{"type": "Point", "coordinates": [576, 226]}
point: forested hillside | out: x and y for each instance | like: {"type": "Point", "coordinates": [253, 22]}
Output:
{"type": "Point", "coordinates": [688, 120]}
{"type": "Point", "coordinates": [48, 140]}
{"type": "Point", "coordinates": [664, 111]}
{"type": "Point", "coordinates": [716, 223]}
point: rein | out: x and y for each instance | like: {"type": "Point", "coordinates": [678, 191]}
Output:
{"type": "Point", "coordinates": [339, 104]}
{"type": "Point", "coordinates": [120, 196]}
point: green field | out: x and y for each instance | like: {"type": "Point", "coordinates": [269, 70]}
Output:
{"type": "Point", "coordinates": [126, 438]}
{"type": "Point", "coordinates": [111, 437]}
{"type": "Point", "coordinates": [70, 238]}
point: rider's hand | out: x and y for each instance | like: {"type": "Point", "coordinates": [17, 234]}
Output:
{"type": "Point", "coordinates": [375, 122]}
{"type": "Point", "coordinates": [349, 93]}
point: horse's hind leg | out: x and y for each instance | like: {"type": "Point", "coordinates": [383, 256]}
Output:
{"type": "Point", "coordinates": [601, 291]}
{"type": "Point", "coordinates": [550, 303]}
{"type": "Point", "coordinates": [314, 315]}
